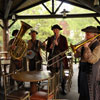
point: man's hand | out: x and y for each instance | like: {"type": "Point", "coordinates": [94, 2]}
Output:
{"type": "Point", "coordinates": [13, 47]}
{"type": "Point", "coordinates": [86, 44]}
{"type": "Point", "coordinates": [43, 43]}
{"type": "Point", "coordinates": [56, 42]}
{"type": "Point", "coordinates": [51, 46]}
{"type": "Point", "coordinates": [29, 53]}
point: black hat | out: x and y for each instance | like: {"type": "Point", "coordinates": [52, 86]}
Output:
{"type": "Point", "coordinates": [15, 32]}
{"type": "Point", "coordinates": [56, 26]}
{"type": "Point", "coordinates": [33, 31]}
{"type": "Point", "coordinates": [91, 29]}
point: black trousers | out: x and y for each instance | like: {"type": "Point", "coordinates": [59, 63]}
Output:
{"type": "Point", "coordinates": [33, 65]}
{"type": "Point", "coordinates": [83, 82]}
{"type": "Point", "coordinates": [83, 98]}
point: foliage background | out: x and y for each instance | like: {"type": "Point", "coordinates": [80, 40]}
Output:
{"type": "Point", "coordinates": [72, 26]}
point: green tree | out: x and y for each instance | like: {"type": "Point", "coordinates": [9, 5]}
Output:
{"type": "Point", "coordinates": [76, 24]}
{"type": "Point", "coordinates": [43, 26]}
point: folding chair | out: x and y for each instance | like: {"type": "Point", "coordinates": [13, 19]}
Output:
{"type": "Point", "coordinates": [57, 84]}
{"type": "Point", "coordinates": [69, 73]}
{"type": "Point", "coordinates": [12, 93]}
{"type": "Point", "coordinates": [45, 95]}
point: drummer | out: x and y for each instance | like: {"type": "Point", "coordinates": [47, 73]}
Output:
{"type": "Point", "coordinates": [34, 46]}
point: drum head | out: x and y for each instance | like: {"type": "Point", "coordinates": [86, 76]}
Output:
{"type": "Point", "coordinates": [31, 56]}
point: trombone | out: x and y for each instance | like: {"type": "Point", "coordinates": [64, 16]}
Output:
{"type": "Point", "coordinates": [75, 47]}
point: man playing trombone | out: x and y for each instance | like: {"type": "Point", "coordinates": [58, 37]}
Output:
{"type": "Point", "coordinates": [89, 53]}
{"type": "Point", "coordinates": [55, 45]}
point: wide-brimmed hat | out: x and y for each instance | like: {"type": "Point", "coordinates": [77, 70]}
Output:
{"type": "Point", "coordinates": [91, 29]}
{"type": "Point", "coordinates": [15, 32]}
{"type": "Point", "coordinates": [56, 27]}
{"type": "Point", "coordinates": [33, 31]}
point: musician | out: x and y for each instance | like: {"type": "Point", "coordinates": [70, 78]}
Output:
{"type": "Point", "coordinates": [55, 45]}
{"type": "Point", "coordinates": [15, 64]}
{"type": "Point", "coordinates": [35, 45]}
{"type": "Point", "coordinates": [89, 53]}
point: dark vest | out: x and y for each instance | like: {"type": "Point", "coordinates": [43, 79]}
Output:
{"type": "Point", "coordinates": [87, 67]}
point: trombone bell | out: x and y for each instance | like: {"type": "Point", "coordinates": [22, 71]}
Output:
{"type": "Point", "coordinates": [73, 48]}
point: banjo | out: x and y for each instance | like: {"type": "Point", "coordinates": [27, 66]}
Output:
{"type": "Point", "coordinates": [30, 54]}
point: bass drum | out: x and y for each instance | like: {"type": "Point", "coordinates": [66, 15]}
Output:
{"type": "Point", "coordinates": [30, 56]}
